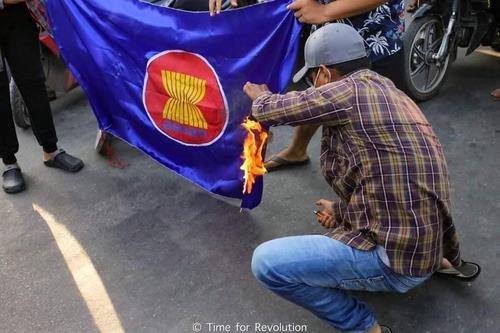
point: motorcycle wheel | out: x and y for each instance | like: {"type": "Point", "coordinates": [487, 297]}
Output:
{"type": "Point", "coordinates": [424, 76]}
{"type": "Point", "coordinates": [19, 109]}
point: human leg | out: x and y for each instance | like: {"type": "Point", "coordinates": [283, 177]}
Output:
{"type": "Point", "coordinates": [22, 52]}
{"type": "Point", "coordinates": [314, 272]}
{"type": "Point", "coordinates": [297, 151]}
{"type": "Point", "coordinates": [12, 178]}
{"type": "Point", "coordinates": [9, 144]}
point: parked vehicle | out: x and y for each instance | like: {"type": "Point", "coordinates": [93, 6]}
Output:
{"type": "Point", "coordinates": [438, 29]}
{"type": "Point", "coordinates": [59, 79]}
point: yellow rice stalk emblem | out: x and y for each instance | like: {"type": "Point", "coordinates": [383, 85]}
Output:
{"type": "Point", "coordinates": [185, 91]}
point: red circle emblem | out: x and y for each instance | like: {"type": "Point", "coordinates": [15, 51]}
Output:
{"type": "Point", "coordinates": [184, 99]}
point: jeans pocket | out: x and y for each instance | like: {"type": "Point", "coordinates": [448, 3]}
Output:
{"type": "Point", "coordinates": [376, 283]}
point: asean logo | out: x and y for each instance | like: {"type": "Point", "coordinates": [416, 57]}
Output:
{"type": "Point", "coordinates": [184, 99]}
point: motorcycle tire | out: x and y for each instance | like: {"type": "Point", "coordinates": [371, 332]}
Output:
{"type": "Point", "coordinates": [19, 109]}
{"type": "Point", "coordinates": [411, 38]}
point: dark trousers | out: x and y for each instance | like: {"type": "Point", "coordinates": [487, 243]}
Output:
{"type": "Point", "coordinates": [20, 47]}
{"type": "Point", "coordinates": [392, 67]}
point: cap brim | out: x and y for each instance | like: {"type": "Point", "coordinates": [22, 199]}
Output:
{"type": "Point", "coordinates": [300, 74]}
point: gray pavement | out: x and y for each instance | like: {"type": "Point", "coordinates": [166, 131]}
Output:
{"type": "Point", "coordinates": [169, 254]}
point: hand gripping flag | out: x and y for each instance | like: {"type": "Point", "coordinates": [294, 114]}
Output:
{"type": "Point", "coordinates": [169, 82]}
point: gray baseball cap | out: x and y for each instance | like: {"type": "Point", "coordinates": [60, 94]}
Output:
{"type": "Point", "coordinates": [331, 44]}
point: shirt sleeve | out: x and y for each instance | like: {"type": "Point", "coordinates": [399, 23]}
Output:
{"type": "Point", "coordinates": [339, 208]}
{"type": "Point", "coordinates": [330, 104]}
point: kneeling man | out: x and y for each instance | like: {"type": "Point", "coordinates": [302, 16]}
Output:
{"type": "Point", "coordinates": [392, 227]}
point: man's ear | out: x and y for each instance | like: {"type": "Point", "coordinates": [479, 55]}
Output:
{"type": "Point", "coordinates": [335, 74]}
{"type": "Point", "coordinates": [325, 72]}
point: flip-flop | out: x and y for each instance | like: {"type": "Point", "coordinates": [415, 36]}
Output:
{"type": "Point", "coordinates": [467, 272]}
{"type": "Point", "coordinates": [281, 163]}
{"type": "Point", "coordinates": [65, 161]}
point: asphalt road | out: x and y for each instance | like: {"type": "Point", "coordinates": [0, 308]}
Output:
{"type": "Point", "coordinates": [142, 250]}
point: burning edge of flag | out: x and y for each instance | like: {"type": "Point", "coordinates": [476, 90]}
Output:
{"type": "Point", "coordinates": [253, 162]}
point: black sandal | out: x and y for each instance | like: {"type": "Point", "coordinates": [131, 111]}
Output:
{"type": "Point", "coordinates": [65, 161]}
{"type": "Point", "coordinates": [13, 181]}
{"type": "Point", "coordinates": [468, 271]}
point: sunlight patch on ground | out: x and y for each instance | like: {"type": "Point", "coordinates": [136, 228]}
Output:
{"type": "Point", "coordinates": [488, 51]}
{"type": "Point", "coordinates": [84, 274]}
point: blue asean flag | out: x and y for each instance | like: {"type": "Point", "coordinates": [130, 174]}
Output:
{"type": "Point", "coordinates": [169, 82]}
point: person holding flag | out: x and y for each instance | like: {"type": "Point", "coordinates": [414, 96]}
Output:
{"type": "Point", "coordinates": [392, 227]}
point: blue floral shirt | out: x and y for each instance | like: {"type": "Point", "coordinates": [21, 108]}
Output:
{"type": "Point", "coordinates": [382, 28]}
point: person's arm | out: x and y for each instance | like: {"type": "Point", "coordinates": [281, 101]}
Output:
{"type": "Point", "coordinates": [312, 12]}
{"type": "Point", "coordinates": [4, 3]}
{"type": "Point", "coordinates": [214, 6]}
{"type": "Point", "coordinates": [329, 104]}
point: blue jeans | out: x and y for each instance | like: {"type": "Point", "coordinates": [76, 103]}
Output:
{"type": "Point", "coordinates": [313, 272]}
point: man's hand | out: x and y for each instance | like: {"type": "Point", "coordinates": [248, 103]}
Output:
{"type": "Point", "coordinates": [309, 11]}
{"type": "Point", "coordinates": [12, 2]}
{"type": "Point", "coordinates": [214, 6]}
{"type": "Point", "coordinates": [254, 90]}
{"type": "Point", "coordinates": [325, 217]}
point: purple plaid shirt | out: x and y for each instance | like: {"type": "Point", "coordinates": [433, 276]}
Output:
{"type": "Point", "coordinates": [381, 156]}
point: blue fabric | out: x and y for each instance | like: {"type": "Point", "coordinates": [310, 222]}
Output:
{"type": "Point", "coordinates": [108, 44]}
{"type": "Point", "coordinates": [314, 271]}
{"type": "Point", "coordinates": [381, 28]}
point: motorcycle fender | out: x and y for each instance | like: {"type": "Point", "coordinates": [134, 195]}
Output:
{"type": "Point", "coordinates": [424, 9]}
{"type": "Point", "coordinates": [484, 22]}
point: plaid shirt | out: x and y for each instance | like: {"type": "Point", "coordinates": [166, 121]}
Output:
{"type": "Point", "coordinates": [381, 156]}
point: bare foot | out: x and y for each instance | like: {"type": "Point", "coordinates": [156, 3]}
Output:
{"type": "Point", "coordinates": [49, 156]}
{"type": "Point", "coordinates": [445, 264]}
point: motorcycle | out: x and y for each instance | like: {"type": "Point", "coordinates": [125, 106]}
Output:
{"type": "Point", "coordinates": [59, 79]}
{"type": "Point", "coordinates": [438, 30]}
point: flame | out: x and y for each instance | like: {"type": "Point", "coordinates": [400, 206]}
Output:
{"type": "Point", "coordinates": [253, 163]}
